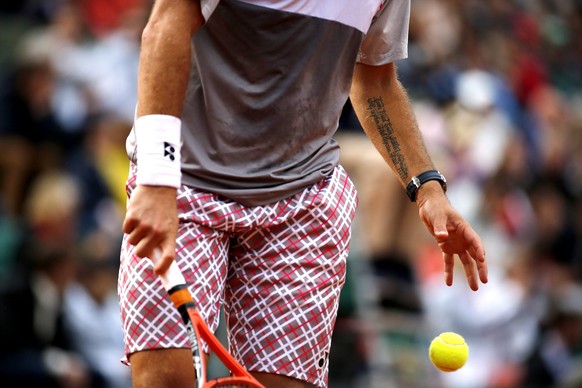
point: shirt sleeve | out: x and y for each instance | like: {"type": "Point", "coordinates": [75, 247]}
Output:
{"type": "Point", "coordinates": [207, 7]}
{"type": "Point", "coordinates": [387, 38]}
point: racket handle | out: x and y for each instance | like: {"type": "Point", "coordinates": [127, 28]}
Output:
{"type": "Point", "coordinates": [173, 276]}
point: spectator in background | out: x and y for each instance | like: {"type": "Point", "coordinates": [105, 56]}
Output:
{"type": "Point", "coordinates": [31, 104]}
{"type": "Point", "coordinates": [103, 17]}
{"type": "Point", "coordinates": [113, 78]}
{"type": "Point", "coordinates": [100, 167]}
{"type": "Point", "coordinates": [32, 138]}
{"type": "Point", "coordinates": [51, 209]}
{"type": "Point", "coordinates": [74, 355]}
{"type": "Point", "coordinates": [552, 363]}
{"type": "Point", "coordinates": [36, 350]}
{"type": "Point", "coordinates": [92, 312]}
{"type": "Point", "coordinates": [48, 95]}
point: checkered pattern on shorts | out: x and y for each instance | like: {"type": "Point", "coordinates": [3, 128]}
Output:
{"type": "Point", "coordinates": [278, 269]}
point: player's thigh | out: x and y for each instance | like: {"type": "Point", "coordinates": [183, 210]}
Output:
{"type": "Point", "coordinates": [162, 368]}
{"type": "Point", "coordinates": [284, 284]}
{"type": "Point", "coordinates": [149, 319]}
{"type": "Point", "coordinates": [279, 381]}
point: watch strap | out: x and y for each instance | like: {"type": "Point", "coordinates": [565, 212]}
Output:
{"type": "Point", "coordinates": [420, 179]}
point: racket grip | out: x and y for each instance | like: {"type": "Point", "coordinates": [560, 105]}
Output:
{"type": "Point", "coordinates": [173, 276]}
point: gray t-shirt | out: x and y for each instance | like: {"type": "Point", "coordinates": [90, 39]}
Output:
{"type": "Point", "coordinates": [267, 87]}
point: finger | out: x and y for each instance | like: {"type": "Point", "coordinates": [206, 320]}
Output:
{"type": "Point", "coordinates": [167, 254]}
{"type": "Point", "coordinates": [449, 261]}
{"type": "Point", "coordinates": [129, 223]}
{"type": "Point", "coordinates": [469, 271]}
{"type": "Point", "coordinates": [136, 235]}
{"type": "Point", "coordinates": [483, 271]}
{"type": "Point", "coordinates": [476, 248]}
{"type": "Point", "coordinates": [477, 251]}
{"type": "Point", "coordinates": [145, 247]}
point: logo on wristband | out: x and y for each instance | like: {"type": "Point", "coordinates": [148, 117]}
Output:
{"type": "Point", "coordinates": [169, 151]}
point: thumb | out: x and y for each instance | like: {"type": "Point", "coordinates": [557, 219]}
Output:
{"type": "Point", "coordinates": [440, 230]}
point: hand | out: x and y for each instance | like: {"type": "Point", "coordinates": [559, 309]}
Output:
{"type": "Point", "coordinates": [67, 367]}
{"type": "Point", "coordinates": [151, 221]}
{"type": "Point", "coordinates": [77, 374]}
{"type": "Point", "coordinates": [453, 234]}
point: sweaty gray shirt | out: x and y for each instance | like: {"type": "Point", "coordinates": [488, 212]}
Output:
{"type": "Point", "coordinates": [268, 83]}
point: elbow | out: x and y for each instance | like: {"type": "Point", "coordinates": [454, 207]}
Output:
{"type": "Point", "coordinates": [152, 33]}
{"type": "Point", "coordinates": [159, 33]}
{"type": "Point", "coordinates": [388, 78]}
{"type": "Point", "coordinates": [164, 31]}
{"type": "Point", "coordinates": [172, 21]}
{"type": "Point", "coordinates": [375, 80]}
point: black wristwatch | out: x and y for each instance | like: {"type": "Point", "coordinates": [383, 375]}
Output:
{"type": "Point", "coordinates": [420, 179]}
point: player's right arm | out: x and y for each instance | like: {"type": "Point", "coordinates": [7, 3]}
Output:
{"type": "Point", "coordinates": [151, 219]}
{"type": "Point", "coordinates": [165, 56]}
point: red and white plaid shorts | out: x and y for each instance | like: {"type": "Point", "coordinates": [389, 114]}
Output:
{"type": "Point", "coordinates": [277, 270]}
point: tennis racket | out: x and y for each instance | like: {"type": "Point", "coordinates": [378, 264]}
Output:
{"type": "Point", "coordinates": [175, 284]}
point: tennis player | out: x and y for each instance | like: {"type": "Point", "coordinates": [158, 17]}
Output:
{"type": "Point", "coordinates": [234, 174]}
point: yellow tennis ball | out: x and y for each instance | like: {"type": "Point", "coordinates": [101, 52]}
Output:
{"type": "Point", "coordinates": [448, 352]}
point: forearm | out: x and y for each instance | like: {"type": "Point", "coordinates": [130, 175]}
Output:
{"type": "Point", "coordinates": [383, 108]}
{"type": "Point", "coordinates": [165, 57]}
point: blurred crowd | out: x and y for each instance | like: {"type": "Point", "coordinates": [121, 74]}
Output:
{"type": "Point", "coordinates": [497, 88]}
{"type": "Point", "coordinates": [502, 81]}
{"type": "Point", "coordinates": [67, 98]}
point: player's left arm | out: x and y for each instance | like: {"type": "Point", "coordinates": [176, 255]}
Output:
{"type": "Point", "coordinates": [382, 106]}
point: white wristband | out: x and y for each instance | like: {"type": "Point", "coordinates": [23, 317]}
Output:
{"type": "Point", "coordinates": [158, 150]}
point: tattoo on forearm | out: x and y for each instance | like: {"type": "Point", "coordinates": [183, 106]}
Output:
{"type": "Point", "coordinates": [378, 113]}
